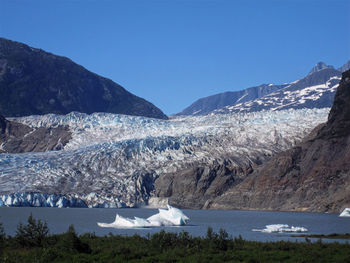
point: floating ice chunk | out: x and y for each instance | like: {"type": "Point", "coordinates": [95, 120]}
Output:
{"type": "Point", "coordinates": [280, 228]}
{"type": "Point", "coordinates": [345, 213]}
{"type": "Point", "coordinates": [123, 222]}
{"type": "Point", "coordinates": [170, 217]}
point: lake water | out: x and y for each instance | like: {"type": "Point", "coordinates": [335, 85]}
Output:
{"type": "Point", "coordinates": [234, 222]}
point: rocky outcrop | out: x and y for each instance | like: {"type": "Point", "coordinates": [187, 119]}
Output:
{"type": "Point", "coordinates": [18, 138]}
{"type": "Point", "coordinates": [35, 82]}
{"type": "Point", "coordinates": [313, 176]}
{"type": "Point", "coordinates": [195, 187]}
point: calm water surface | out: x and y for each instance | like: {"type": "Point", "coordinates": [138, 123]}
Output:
{"type": "Point", "coordinates": [234, 222]}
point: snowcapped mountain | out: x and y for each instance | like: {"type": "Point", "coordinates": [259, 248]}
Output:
{"type": "Point", "coordinates": [318, 67]}
{"type": "Point", "coordinates": [316, 90]}
{"type": "Point", "coordinates": [117, 160]}
{"type": "Point", "coordinates": [208, 104]}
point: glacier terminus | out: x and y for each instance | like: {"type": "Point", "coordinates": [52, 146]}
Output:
{"type": "Point", "coordinates": [114, 160]}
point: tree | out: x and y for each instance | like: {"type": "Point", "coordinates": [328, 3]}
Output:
{"type": "Point", "coordinates": [2, 233]}
{"type": "Point", "coordinates": [71, 242]}
{"type": "Point", "coordinates": [32, 234]}
{"type": "Point", "coordinates": [2, 236]}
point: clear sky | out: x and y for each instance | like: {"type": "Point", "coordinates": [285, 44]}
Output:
{"type": "Point", "coordinates": [172, 52]}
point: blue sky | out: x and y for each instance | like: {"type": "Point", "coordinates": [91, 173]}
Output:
{"type": "Point", "coordinates": [174, 52]}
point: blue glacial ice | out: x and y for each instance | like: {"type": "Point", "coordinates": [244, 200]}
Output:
{"type": "Point", "coordinates": [39, 200]}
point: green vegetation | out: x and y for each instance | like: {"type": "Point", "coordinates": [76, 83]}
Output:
{"type": "Point", "coordinates": [330, 236]}
{"type": "Point", "coordinates": [33, 243]}
{"type": "Point", "coordinates": [33, 234]}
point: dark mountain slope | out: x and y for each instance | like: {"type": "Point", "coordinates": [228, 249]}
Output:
{"type": "Point", "coordinates": [33, 81]}
{"type": "Point", "coordinates": [314, 176]}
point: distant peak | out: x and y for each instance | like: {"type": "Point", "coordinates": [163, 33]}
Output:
{"type": "Point", "coordinates": [345, 67]}
{"type": "Point", "coordinates": [319, 66]}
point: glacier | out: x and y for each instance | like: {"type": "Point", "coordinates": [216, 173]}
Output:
{"type": "Point", "coordinates": [113, 160]}
{"type": "Point", "coordinates": [170, 217]}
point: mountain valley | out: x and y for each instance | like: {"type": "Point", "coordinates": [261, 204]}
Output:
{"type": "Point", "coordinates": [70, 138]}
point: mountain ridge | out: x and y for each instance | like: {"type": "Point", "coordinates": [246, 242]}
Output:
{"type": "Point", "coordinates": [220, 100]}
{"type": "Point", "coordinates": [33, 81]}
{"type": "Point", "coordinates": [319, 66]}
{"type": "Point", "coordinates": [316, 90]}
{"type": "Point", "coordinates": [230, 101]}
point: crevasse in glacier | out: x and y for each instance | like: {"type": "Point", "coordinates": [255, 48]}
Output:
{"type": "Point", "coordinates": [112, 160]}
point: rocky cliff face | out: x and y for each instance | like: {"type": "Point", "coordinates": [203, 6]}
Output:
{"type": "Point", "coordinates": [19, 138]}
{"type": "Point", "coordinates": [196, 186]}
{"type": "Point", "coordinates": [33, 81]}
{"type": "Point", "coordinates": [313, 176]}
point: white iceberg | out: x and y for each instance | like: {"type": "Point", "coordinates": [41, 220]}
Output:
{"type": "Point", "coordinates": [170, 217]}
{"type": "Point", "coordinates": [281, 228]}
{"type": "Point", "coordinates": [345, 213]}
